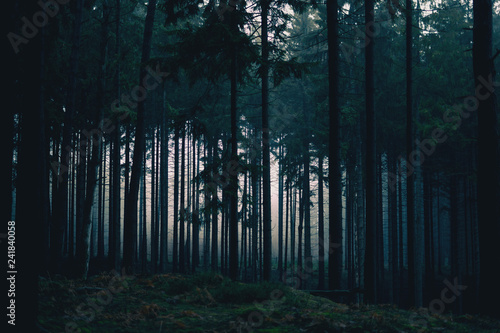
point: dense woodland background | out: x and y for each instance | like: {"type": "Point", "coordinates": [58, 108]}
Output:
{"type": "Point", "coordinates": [341, 145]}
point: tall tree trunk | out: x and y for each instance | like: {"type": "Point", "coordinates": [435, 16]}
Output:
{"type": "Point", "coordinates": [233, 219]}
{"type": "Point", "coordinates": [255, 214]}
{"type": "Point", "coordinates": [153, 201]}
{"type": "Point", "coordinates": [400, 218]}
{"type": "Point", "coordinates": [300, 249]}
{"type": "Point", "coordinates": [215, 219]}
{"type": "Point", "coordinates": [380, 233]}
{"type": "Point", "coordinates": [115, 222]}
{"type": "Point", "coordinates": [164, 191]}
{"type": "Point", "coordinates": [84, 248]}
{"type": "Point", "coordinates": [61, 215]}
{"type": "Point", "coordinates": [335, 176]}
{"type": "Point", "coordinates": [488, 164]}
{"type": "Point", "coordinates": [195, 214]}
{"type": "Point", "coordinates": [175, 260]}
{"type": "Point", "coordinates": [393, 234]}
{"type": "Point", "coordinates": [30, 177]}
{"type": "Point", "coordinates": [371, 164]}
{"type": "Point", "coordinates": [143, 236]}
{"type": "Point", "coordinates": [100, 202]}
{"type": "Point", "coordinates": [293, 228]}
{"type": "Point", "coordinates": [81, 175]}
{"type": "Point", "coordinates": [266, 162]}
{"type": "Point", "coordinates": [188, 206]}
{"type": "Point", "coordinates": [429, 237]}
{"type": "Point", "coordinates": [360, 214]}
{"type": "Point", "coordinates": [280, 209]}
{"type": "Point", "coordinates": [286, 229]}
{"type": "Point", "coordinates": [71, 219]}
{"type": "Point", "coordinates": [321, 227]}
{"type": "Point", "coordinates": [207, 210]}
{"type": "Point", "coordinates": [182, 258]}
{"type": "Point", "coordinates": [130, 222]}
{"type": "Point", "coordinates": [308, 264]}
{"type": "Point", "coordinates": [93, 169]}
{"type": "Point", "coordinates": [414, 281]}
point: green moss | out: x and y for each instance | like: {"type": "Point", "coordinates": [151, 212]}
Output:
{"type": "Point", "coordinates": [207, 302]}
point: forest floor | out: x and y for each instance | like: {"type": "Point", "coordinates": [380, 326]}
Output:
{"type": "Point", "coordinates": [208, 302]}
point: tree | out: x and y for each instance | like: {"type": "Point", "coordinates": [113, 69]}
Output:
{"type": "Point", "coordinates": [414, 282]}
{"type": "Point", "coordinates": [26, 77]}
{"type": "Point", "coordinates": [233, 210]}
{"type": "Point", "coordinates": [130, 221]}
{"type": "Point", "coordinates": [266, 163]}
{"type": "Point", "coordinates": [334, 160]}
{"type": "Point", "coordinates": [60, 216]}
{"type": "Point", "coordinates": [488, 165]}
{"type": "Point", "coordinates": [371, 180]}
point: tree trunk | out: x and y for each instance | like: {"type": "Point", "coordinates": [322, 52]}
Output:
{"type": "Point", "coordinates": [215, 219]}
{"type": "Point", "coordinates": [195, 214]}
{"type": "Point", "coordinates": [182, 258]}
{"type": "Point", "coordinates": [380, 233]}
{"type": "Point", "coordinates": [255, 214]}
{"type": "Point", "coordinates": [233, 220]}
{"type": "Point", "coordinates": [93, 169]}
{"type": "Point", "coordinates": [61, 215]}
{"type": "Point", "coordinates": [130, 222]}
{"type": "Point", "coordinates": [154, 254]}
{"type": "Point", "coordinates": [371, 165]}
{"type": "Point", "coordinates": [488, 164]}
{"type": "Point", "coordinates": [100, 202]}
{"type": "Point", "coordinates": [143, 236]}
{"type": "Point", "coordinates": [308, 264]}
{"type": "Point", "coordinates": [30, 178]}
{"type": "Point", "coordinates": [280, 209]}
{"type": "Point", "coordinates": [286, 229]}
{"type": "Point", "coordinates": [321, 227]}
{"type": "Point", "coordinates": [164, 191]}
{"type": "Point", "coordinates": [393, 238]}
{"type": "Point", "coordinates": [208, 189]}
{"type": "Point", "coordinates": [175, 259]}
{"type": "Point", "coordinates": [266, 162]}
{"type": "Point", "coordinates": [414, 281]}
{"type": "Point", "coordinates": [115, 228]}
{"type": "Point", "coordinates": [300, 250]}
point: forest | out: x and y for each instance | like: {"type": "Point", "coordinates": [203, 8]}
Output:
{"type": "Point", "coordinates": [210, 155]}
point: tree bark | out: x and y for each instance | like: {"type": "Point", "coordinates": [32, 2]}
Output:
{"type": "Point", "coordinates": [321, 227]}
{"type": "Point", "coordinates": [60, 215]}
{"type": "Point", "coordinates": [266, 162]}
{"type": "Point", "coordinates": [130, 222]}
{"type": "Point", "coordinates": [164, 192]}
{"type": "Point", "coordinates": [371, 164]}
{"type": "Point", "coordinates": [233, 219]}
{"type": "Point", "coordinates": [488, 189]}
{"type": "Point", "coordinates": [175, 260]}
{"type": "Point", "coordinates": [414, 281]}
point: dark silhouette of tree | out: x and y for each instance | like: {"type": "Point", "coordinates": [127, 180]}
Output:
{"type": "Point", "coordinates": [334, 161]}
{"type": "Point", "coordinates": [130, 222]}
{"type": "Point", "coordinates": [488, 164]}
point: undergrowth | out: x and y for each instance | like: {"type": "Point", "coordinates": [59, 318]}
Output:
{"type": "Point", "coordinates": [209, 302]}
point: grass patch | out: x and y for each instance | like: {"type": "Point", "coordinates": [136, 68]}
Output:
{"type": "Point", "coordinates": [208, 302]}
